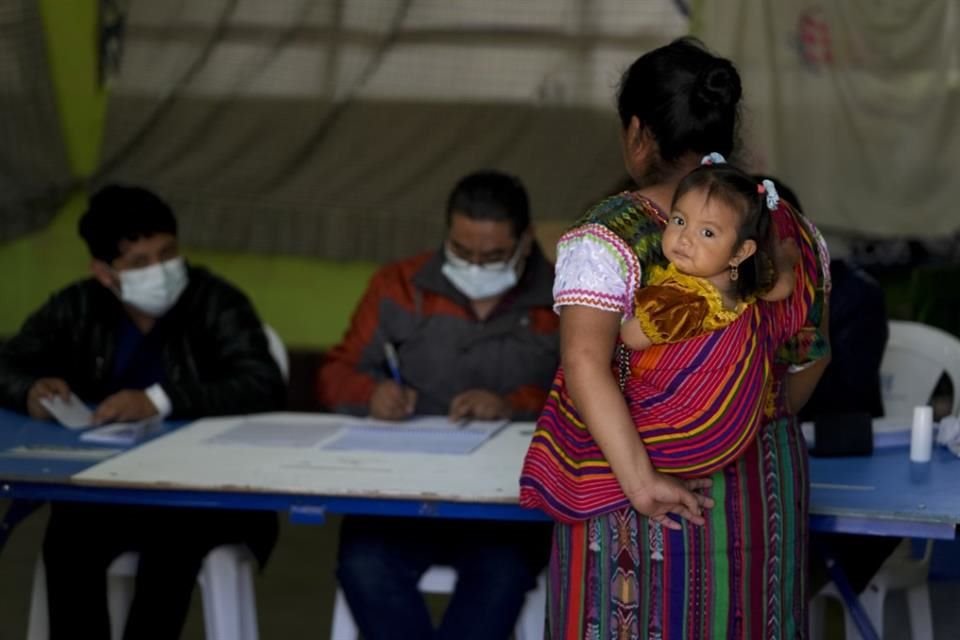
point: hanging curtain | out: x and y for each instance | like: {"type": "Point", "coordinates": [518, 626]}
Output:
{"type": "Point", "coordinates": [336, 129]}
{"type": "Point", "coordinates": [854, 103]}
{"type": "Point", "coordinates": [34, 172]}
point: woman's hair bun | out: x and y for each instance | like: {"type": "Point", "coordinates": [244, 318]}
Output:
{"type": "Point", "coordinates": [717, 87]}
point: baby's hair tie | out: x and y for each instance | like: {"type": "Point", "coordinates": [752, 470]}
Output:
{"type": "Point", "coordinates": [713, 158]}
{"type": "Point", "coordinates": [773, 198]}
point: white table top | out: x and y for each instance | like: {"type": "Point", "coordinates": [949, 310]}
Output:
{"type": "Point", "coordinates": [185, 459]}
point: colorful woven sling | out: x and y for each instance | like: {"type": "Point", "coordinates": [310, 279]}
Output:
{"type": "Point", "coordinates": [696, 404]}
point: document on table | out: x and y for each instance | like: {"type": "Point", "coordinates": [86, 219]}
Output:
{"type": "Point", "coordinates": [283, 431]}
{"type": "Point", "coordinates": [428, 434]}
{"type": "Point", "coordinates": [123, 434]}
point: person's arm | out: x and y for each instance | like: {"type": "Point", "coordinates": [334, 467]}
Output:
{"type": "Point", "coordinates": [632, 335]}
{"type": "Point", "coordinates": [801, 384]}
{"type": "Point", "coordinates": [786, 255]}
{"type": "Point", "coordinates": [587, 341]}
{"type": "Point", "coordinates": [30, 362]}
{"type": "Point", "coordinates": [346, 381]}
{"type": "Point", "coordinates": [808, 348]}
{"type": "Point", "coordinates": [243, 376]}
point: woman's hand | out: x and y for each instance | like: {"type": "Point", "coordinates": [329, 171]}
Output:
{"type": "Point", "coordinates": [660, 495]}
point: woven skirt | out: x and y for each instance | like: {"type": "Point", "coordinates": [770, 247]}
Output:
{"type": "Point", "coordinates": [742, 576]}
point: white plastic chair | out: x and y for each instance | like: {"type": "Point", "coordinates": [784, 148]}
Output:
{"type": "Point", "coordinates": [226, 588]}
{"type": "Point", "coordinates": [226, 577]}
{"type": "Point", "coordinates": [440, 579]}
{"type": "Point", "coordinates": [278, 351]}
{"type": "Point", "coordinates": [915, 358]}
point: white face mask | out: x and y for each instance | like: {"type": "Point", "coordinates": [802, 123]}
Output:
{"type": "Point", "coordinates": [479, 282]}
{"type": "Point", "coordinates": [154, 289]}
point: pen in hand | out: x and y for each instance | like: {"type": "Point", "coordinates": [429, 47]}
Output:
{"type": "Point", "coordinates": [391, 398]}
{"type": "Point", "coordinates": [393, 362]}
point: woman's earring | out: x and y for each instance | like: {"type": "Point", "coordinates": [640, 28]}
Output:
{"type": "Point", "coordinates": [734, 273]}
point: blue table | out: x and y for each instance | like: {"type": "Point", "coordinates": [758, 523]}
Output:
{"type": "Point", "coordinates": [32, 451]}
{"type": "Point", "coordinates": [884, 494]}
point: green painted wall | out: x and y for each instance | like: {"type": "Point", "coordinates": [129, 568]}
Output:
{"type": "Point", "coordinates": [308, 301]}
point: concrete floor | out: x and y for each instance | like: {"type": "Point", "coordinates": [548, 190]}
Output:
{"type": "Point", "coordinates": [295, 592]}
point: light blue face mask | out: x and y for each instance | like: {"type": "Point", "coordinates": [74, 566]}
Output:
{"type": "Point", "coordinates": [480, 282]}
{"type": "Point", "coordinates": [154, 289]}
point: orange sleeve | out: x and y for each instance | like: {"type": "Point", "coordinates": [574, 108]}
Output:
{"type": "Point", "coordinates": [341, 385]}
{"type": "Point", "coordinates": [528, 400]}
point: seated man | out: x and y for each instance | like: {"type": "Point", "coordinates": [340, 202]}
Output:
{"type": "Point", "coordinates": [475, 336]}
{"type": "Point", "coordinates": [858, 337]}
{"type": "Point", "coordinates": [146, 336]}
{"type": "Point", "coordinates": [851, 384]}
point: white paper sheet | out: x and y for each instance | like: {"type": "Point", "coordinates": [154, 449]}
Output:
{"type": "Point", "coordinates": [276, 431]}
{"type": "Point", "coordinates": [430, 434]}
{"type": "Point", "coordinates": [71, 413]}
{"type": "Point", "coordinates": [121, 433]}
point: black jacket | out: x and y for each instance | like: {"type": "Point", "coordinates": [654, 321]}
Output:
{"type": "Point", "coordinates": [215, 355]}
{"type": "Point", "coordinates": [858, 338]}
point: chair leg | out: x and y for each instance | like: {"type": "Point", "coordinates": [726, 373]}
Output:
{"type": "Point", "coordinates": [249, 628]}
{"type": "Point", "coordinates": [872, 600]}
{"type": "Point", "coordinates": [226, 581]}
{"type": "Point", "coordinates": [119, 598]}
{"type": "Point", "coordinates": [224, 612]}
{"type": "Point", "coordinates": [532, 618]}
{"type": "Point", "coordinates": [343, 626]}
{"type": "Point", "coordinates": [817, 616]}
{"type": "Point", "coordinates": [121, 583]}
{"type": "Point", "coordinates": [921, 617]}
{"type": "Point", "coordinates": [38, 624]}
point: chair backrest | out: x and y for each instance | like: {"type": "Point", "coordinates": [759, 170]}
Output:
{"type": "Point", "coordinates": [278, 351]}
{"type": "Point", "coordinates": [915, 358]}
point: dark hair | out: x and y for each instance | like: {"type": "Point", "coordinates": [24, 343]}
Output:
{"type": "Point", "coordinates": [116, 213]}
{"type": "Point", "coordinates": [739, 190]}
{"type": "Point", "coordinates": [491, 195]}
{"type": "Point", "coordinates": [687, 97]}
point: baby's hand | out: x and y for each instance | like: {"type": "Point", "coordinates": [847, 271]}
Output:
{"type": "Point", "coordinates": [633, 336]}
{"type": "Point", "coordinates": [786, 255]}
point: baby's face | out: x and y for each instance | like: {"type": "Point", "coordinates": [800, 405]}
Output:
{"type": "Point", "coordinates": [701, 237]}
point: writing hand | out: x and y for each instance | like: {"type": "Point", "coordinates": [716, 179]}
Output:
{"type": "Point", "coordinates": [480, 404]}
{"type": "Point", "coordinates": [125, 406]}
{"type": "Point", "coordinates": [391, 401]}
{"type": "Point", "coordinates": [42, 389]}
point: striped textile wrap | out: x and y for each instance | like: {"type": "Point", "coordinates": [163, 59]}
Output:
{"type": "Point", "coordinates": [697, 404]}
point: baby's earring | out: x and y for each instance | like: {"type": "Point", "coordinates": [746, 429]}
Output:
{"type": "Point", "coordinates": [734, 273]}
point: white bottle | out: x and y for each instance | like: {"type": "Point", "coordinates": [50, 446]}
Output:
{"type": "Point", "coordinates": [921, 434]}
